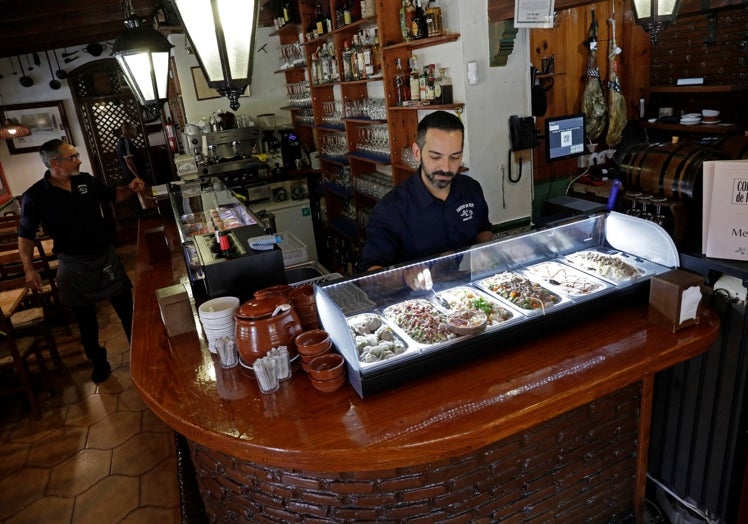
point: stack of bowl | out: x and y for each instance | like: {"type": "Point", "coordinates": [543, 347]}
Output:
{"type": "Point", "coordinates": [312, 344]}
{"type": "Point", "coordinates": [305, 306]}
{"type": "Point", "coordinates": [327, 372]}
{"type": "Point", "coordinates": [217, 317]}
{"type": "Point", "coordinates": [690, 119]}
{"type": "Point", "coordinates": [710, 116]}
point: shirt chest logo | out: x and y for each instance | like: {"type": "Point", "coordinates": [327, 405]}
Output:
{"type": "Point", "coordinates": [466, 211]}
{"type": "Point", "coordinates": [83, 189]}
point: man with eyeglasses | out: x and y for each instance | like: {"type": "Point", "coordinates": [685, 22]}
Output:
{"type": "Point", "coordinates": [67, 204]}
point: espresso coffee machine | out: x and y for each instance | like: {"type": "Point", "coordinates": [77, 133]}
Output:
{"type": "Point", "coordinates": [230, 151]}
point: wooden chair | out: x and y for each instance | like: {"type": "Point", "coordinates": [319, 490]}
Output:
{"type": "Point", "coordinates": [29, 319]}
{"type": "Point", "coordinates": [15, 353]}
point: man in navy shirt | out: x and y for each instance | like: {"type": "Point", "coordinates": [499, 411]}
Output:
{"type": "Point", "coordinates": [434, 211]}
{"type": "Point", "coordinates": [67, 203]}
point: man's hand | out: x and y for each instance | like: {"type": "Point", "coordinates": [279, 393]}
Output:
{"type": "Point", "coordinates": [418, 278]}
{"type": "Point", "coordinates": [33, 280]}
{"type": "Point", "coordinates": [136, 185]}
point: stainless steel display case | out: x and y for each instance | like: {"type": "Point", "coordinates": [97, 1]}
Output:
{"type": "Point", "coordinates": [544, 278]}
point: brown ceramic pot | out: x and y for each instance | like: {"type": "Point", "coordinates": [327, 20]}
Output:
{"type": "Point", "coordinates": [311, 343]}
{"type": "Point", "coordinates": [327, 366]}
{"type": "Point", "coordinates": [258, 330]}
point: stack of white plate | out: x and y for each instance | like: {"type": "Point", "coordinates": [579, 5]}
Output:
{"type": "Point", "coordinates": [217, 318]}
{"type": "Point", "coordinates": [690, 119]}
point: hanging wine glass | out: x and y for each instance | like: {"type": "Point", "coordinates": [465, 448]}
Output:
{"type": "Point", "coordinates": [660, 219]}
{"type": "Point", "coordinates": [633, 210]}
{"type": "Point", "coordinates": [645, 201]}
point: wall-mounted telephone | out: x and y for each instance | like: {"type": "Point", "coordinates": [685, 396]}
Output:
{"type": "Point", "coordinates": [523, 133]}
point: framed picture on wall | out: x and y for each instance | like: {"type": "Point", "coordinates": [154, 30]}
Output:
{"type": "Point", "coordinates": [46, 120]}
{"type": "Point", "coordinates": [4, 192]}
{"type": "Point", "coordinates": [202, 90]}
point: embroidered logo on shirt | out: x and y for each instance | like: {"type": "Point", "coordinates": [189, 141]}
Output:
{"type": "Point", "coordinates": [109, 272]}
{"type": "Point", "coordinates": [466, 211]}
{"type": "Point", "coordinates": [83, 189]}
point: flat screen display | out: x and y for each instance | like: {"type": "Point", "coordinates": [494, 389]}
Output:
{"type": "Point", "coordinates": [564, 137]}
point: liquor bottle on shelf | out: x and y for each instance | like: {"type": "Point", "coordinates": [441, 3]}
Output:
{"type": "Point", "coordinates": [315, 69]}
{"type": "Point", "coordinates": [288, 13]}
{"type": "Point", "coordinates": [415, 91]}
{"type": "Point", "coordinates": [402, 85]}
{"type": "Point", "coordinates": [368, 61]}
{"type": "Point", "coordinates": [418, 26]}
{"type": "Point", "coordinates": [319, 20]}
{"type": "Point", "coordinates": [376, 56]}
{"type": "Point", "coordinates": [444, 90]}
{"type": "Point", "coordinates": [326, 64]}
{"type": "Point", "coordinates": [334, 69]}
{"type": "Point", "coordinates": [347, 53]}
{"type": "Point", "coordinates": [339, 18]}
{"type": "Point", "coordinates": [405, 20]}
{"type": "Point", "coordinates": [430, 81]}
{"type": "Point", "coordinates": [423, 79]}
{"type": "Point", "coordinates": [347, 19]}
{"type": "Point", "coordinates": [360, 58]}
{"type": "Point", "coordinates": [433, 19]}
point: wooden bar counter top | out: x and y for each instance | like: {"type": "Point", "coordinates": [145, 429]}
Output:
{"type": "Point", "coordinates": [556, 427]}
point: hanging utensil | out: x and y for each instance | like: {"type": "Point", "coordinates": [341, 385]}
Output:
{"type": "Point", "coordinates": [71, 53]}
{"type": "Point", "coordinates": [37, 60]}
{"type": "Point", "coordinates": [26, 81]}
{"type": "Point", "coordinates": [71, 58]}
{"type": "Point", "coordinates": [54, 83]}
{"type": "Point", "coordinates": [13, 67]}
{"type": "Point", "coordinates": [28, 63]}
{"type": "Point", "coordinates": [60, 73]}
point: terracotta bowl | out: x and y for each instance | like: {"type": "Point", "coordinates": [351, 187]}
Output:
{"type": "Point", "coordinates": [328, 386]}
{"type": "Point", "coordinates": [302, 295]}
{"type": "Point", "coordinates": [312, 343]}
{"type": "Point", "coordinates": [281, 290]}
{"type": "Point", "coordinates": [327, 366]}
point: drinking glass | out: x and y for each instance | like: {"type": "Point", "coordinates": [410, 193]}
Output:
{"type": "Point", "coordinates": [633, 210]}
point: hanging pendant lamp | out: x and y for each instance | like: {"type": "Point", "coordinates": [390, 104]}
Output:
{"type": "Point", "coordinates": [222, 33]}
{"type": "Point", "coordinates": [655, 15]}
{"type": "Point", "coordinates": [143, 55]}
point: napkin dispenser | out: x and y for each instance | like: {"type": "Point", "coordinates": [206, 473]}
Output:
{"type": "Point", "coordinates": [176, 311]}
{"type": "Point", "coordinates": [675, 299]}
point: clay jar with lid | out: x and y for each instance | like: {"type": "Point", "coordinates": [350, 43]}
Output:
{"type": "Point", "coordinates": [265, 323]}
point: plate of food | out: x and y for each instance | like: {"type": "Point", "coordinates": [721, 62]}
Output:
{"type": "Point", "coordinates": [566, 279]}
{"type": "Point", "coordinates": [375, 340]}
{"type": "Point", "coordinates": [464, 297]}
{"type": "Point", "coordinates": [521, 291]}
{"type": "Point", "coordinates": [420, 320]}
{"type": "Point", "coordinates": [611, 267]}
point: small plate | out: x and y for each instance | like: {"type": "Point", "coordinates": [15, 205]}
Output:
{"type": "Point", "coordinates": [689, 122]}
{"type": "Point", "coordinates": [467, 321]}
{"type": "Point", "coordinates": [710, 122]}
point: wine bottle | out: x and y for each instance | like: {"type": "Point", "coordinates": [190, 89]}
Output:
{"type": "Point", "coordinates": [445, 86]}
{"type": "Point", "coordinates": [418, 26]}
{"type": "Point", "coordinates": [402, 85]}
{"type": "Point", "coordinates": [319, 20]}
{"type": "Point", "coordinates": [415, 92]}
{"type": "Point", "coordinates": [347, 52]}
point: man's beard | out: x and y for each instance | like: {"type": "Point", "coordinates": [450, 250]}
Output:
{"type": "Point", "coordinates": [438, 183]}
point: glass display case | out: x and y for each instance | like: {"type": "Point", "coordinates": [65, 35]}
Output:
{"type": "Point", "coordinates": [489, 296]}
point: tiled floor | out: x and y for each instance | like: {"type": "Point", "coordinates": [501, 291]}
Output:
{"type": "Point", "coordinates": [98, 454]}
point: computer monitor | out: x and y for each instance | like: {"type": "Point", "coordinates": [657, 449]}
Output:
{"type": "Point", "coordinates": [564, 137]}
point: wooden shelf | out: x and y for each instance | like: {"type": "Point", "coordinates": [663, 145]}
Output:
{"type": "Point", "coordinates": [423, 42]}
{"type": "Point", "coordinates": [368, 121]}
{"type": "Point", "coordinates": [698, 128]}
{"type": "Point", "coordinates": [446, 107]}
{"type": "Point", "coordinates": [288, 29]}
{"type": "Point", "coordinates": [730, 88]}
{"type": "Point", "coordinates": [352, 27]}
{"type": "Point", "coordinates": [289, 69]}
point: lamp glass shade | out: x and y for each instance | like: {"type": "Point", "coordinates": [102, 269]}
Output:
{"type": "Point", "coordinates": [222, 33]}
{"type": "Point", "coordinates": [143, 55]}
{"type": "Point", "coordinates": [12, 129]}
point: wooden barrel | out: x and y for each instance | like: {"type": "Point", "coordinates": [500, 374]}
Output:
{"type": "Point", "coordinates": [667, 169]}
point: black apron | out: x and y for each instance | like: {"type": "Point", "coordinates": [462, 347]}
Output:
{"type": "Point", "coordinates": [86, 279]}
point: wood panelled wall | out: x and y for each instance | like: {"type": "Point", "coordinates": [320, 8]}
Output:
{"type": "Point", "coordinates": [681, 52]}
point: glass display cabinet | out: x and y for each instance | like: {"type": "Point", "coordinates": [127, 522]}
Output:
{"type": "Point", "coordinates": [489, 296]}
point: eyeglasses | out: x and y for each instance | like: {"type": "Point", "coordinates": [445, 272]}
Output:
{"type": "Point", "coordinates": [70, 158]}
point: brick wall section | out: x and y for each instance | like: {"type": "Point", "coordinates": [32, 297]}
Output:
{"type": "Point", "coordinates": [577, 467]}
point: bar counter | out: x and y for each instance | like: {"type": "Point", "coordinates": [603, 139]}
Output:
{"type": "Point", "coordinates": [555, 428]}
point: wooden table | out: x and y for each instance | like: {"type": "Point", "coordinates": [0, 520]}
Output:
{"type": "Point", "coordinates": [11, 298]}
{"type": "Point", "coordinates": [555, 428]}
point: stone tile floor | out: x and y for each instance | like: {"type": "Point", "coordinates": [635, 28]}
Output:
{"type": "Point", "coordinates": [98, 454]}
